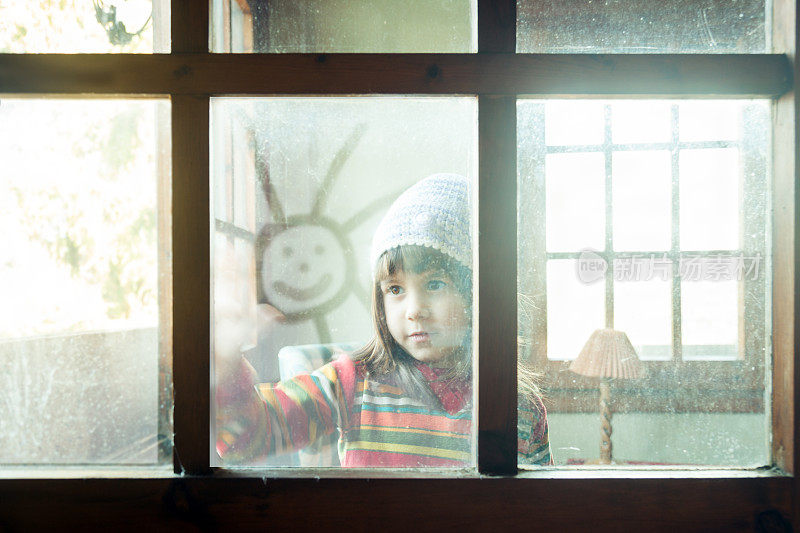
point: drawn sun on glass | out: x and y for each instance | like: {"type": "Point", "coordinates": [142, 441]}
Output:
{"type": "Point", "coordinates": [306, 263]}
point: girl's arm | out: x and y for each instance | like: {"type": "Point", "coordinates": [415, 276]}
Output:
{"type": "Point", "coordinates": [533, 445]}
{"type": "Point", "coordinates": [254, 421]}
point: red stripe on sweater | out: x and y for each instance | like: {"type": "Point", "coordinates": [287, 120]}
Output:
{"type": "Point", "coordinates": [365, 458]}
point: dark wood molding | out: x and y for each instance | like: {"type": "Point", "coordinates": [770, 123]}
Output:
{"type": "Point", "coordinates": [191, 292]}
{"type": "Point", "coordinates": [497, 26]}
{"type": "Point", "coordinates": [579, 502]}
{"type": "Point", "coordinates": [189, 24]}
{"type": "Point", "coordinates": [764, 75]}
{"type": "Point", "coordinates": [497, 292]}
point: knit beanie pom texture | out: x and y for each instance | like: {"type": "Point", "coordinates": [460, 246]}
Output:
{"type": "Point", "coordinates": [434, 212]}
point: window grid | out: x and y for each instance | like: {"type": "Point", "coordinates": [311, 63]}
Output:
{"type": "Point", "coordinates": [728, 501]}
{"type": "Point", "coordinates": [675, 254]}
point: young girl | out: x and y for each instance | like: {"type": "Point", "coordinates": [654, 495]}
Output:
{"type": "Point", "coordinates": [405, 399]}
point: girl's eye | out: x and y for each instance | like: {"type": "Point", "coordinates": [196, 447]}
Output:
{"type": "Point", "coordinates": [436, 284]}
{"type": "Point", "coordinates": [394, 289]}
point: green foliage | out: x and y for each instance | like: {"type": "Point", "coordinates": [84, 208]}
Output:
{"type": "Point", "coordinates": [94, 211]}
{"type": "Point", "coordinates": [122, 142]}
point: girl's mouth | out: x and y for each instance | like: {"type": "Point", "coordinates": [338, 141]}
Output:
{"type": "Point", "coordinates": [420, 336]}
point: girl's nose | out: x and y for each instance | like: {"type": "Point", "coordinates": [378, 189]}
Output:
{"type": "Point", "coordinates": [417, 309]}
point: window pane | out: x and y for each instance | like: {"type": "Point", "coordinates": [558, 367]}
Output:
{"type": "Point", "coordinates": [710, 318]}
{"type": "Point", "coordinates": [574, 310]}
{"type": "Point", "coordinates": [642, 189]}
{"type": "Point", "coordinates": [292, 26]}
{"type": "Point", "coordinates": [643, 306]}
{"type": "Point", "coordinates": [75, 26]}
{"type": "Point", "coordinates": [642, 26]}
{"type": "Point", "coordinates": [300, 186]}
{"type": "Point", "coordinates": [575, 215]}
{"type": "Point", "coordinates": [83, 350]}
{"type": "Point", "coordinates": [573, 123]}
{"type": "Point", "coordinates": [664, 321]}
{"type": "Point", "coordinates": [710, 201]}
{"type": "Point", "coordinates": [642, 122]}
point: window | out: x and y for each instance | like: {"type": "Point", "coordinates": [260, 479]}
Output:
{"type": "Point", "coordinates": [654, 216]}
{"type": "Point", "coordinates": [190, 76]}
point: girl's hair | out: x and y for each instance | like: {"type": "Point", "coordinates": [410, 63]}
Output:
{"type": "Point", "coordinates": [382, 355]}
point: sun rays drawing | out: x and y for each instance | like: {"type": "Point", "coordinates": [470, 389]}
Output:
{"type": "Point", "coordinates": [306, 263]}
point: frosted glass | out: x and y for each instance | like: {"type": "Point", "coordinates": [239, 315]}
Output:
{"type": "Point", "coordinates": [710, 203]}
{"type": "Point", "coordinates": [690, 213]}
{"type": "Point", "coordinates": [299, 187]}
{"type": "Point", "coordinates": [642, 26]}
{"type": "Point", "coordinates": [710, 319]}
{"type": "Point", "coordinates": [574, 310]}
{"type": "Point", "coordinates": [574, 123]}
{"type": "Point", "coordinates": [641, 122]}
{"type": "Point", "coordinates": [292, 26]}
{"type": "Point", "coordinates": [575, 199]}
{"type": "Point", "coordinates": [643, 310]}
{"type": "Point", "coordinates": [75, 26]}
{"type": "Point", "coordinates": [642, 189]}
{"type": "Point", "coordinates": [710, 121]}
{"type": "Point", "coordinates": [82, 380]}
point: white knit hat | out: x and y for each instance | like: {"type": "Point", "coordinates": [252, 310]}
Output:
{"type": "Point", "coordinates": [434, 212]}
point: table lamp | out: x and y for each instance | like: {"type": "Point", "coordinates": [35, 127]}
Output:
{"type": "Point", "coordinates": [608, 355]}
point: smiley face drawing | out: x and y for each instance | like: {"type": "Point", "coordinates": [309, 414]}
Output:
{"type": "Point", "coordinates": [306, 266]}
{"type": "Point", "coordinates": [305, 263]}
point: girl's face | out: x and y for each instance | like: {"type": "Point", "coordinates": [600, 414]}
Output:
{"type": "Point", "coordinates": [425, 313]}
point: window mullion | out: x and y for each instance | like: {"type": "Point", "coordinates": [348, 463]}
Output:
{"type": "Point", "coordinates": [191, 282]}
{"type": "Point", "coordinates": [497, 254]}
{"type": "Point", "coordinates": [189, 25]}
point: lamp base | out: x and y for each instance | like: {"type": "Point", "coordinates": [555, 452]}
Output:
{"type": "Point", "coordinates": [605, 421]}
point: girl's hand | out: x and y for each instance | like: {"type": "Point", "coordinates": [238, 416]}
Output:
{"type": "Point", "coordinates": [238, 321]}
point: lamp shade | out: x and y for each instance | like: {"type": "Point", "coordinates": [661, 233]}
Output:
{"type": "Point", "coordinates": [608, 354]}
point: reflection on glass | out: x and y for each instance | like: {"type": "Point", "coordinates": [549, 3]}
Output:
{"type": "Point", "coordinates": [353, 268]}
{"type": "Point", "coordinates": [642, 183]}
{"type": "Point", "coordinates": [575, 214]}
{"type": "Point", "coordinates": [642, 26]}
{"type": "Point", "coordinates": [673, 196]}
{"type": "Point", "coordinates": [82, 381]}
{"type": "Point", "coordinates": [710, 200]}
{"type": "Point", "coordinates": [75, 26]}
{"type": "Point", "coordinates": [293, 26]}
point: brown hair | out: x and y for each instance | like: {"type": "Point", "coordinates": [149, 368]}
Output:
{"type": "Point", "coordinates": [382, 355]}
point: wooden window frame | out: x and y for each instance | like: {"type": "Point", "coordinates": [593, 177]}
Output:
{"type": "Point", "coordinates": [499, 496]}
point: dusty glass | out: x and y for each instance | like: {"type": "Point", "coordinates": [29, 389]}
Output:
{"type": "Point", "coordinates": [292, 26]}
{"type": "Point", "coordinates": [80, 26]}
{"type": "Point", "coordinates": [644, 280]}
{"type": "Point", "coordinates": [643, 26]}
{"type": "Point", "coordinates": [299, 186]}
{"type": "Point", "coordinates": [84, 355]}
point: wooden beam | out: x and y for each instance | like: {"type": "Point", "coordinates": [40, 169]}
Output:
{"type": "Point", "coordinates": [738, 76]}
{"type": "Point", "coordinates": [497, 291]}
{"type": "Point", "coordinates": [785, 252]}
{"type": "Point", "coordinates": [497, 26]}
{"type": "Point", "coordinates": [189, 23]}
{"type": "Point", "coordinates": [191, 282]}
{"type": "Point", "coordinates": [575, 502]}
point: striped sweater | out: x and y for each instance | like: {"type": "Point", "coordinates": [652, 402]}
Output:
{"type": "Point", "coordinates": [380, 423]}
